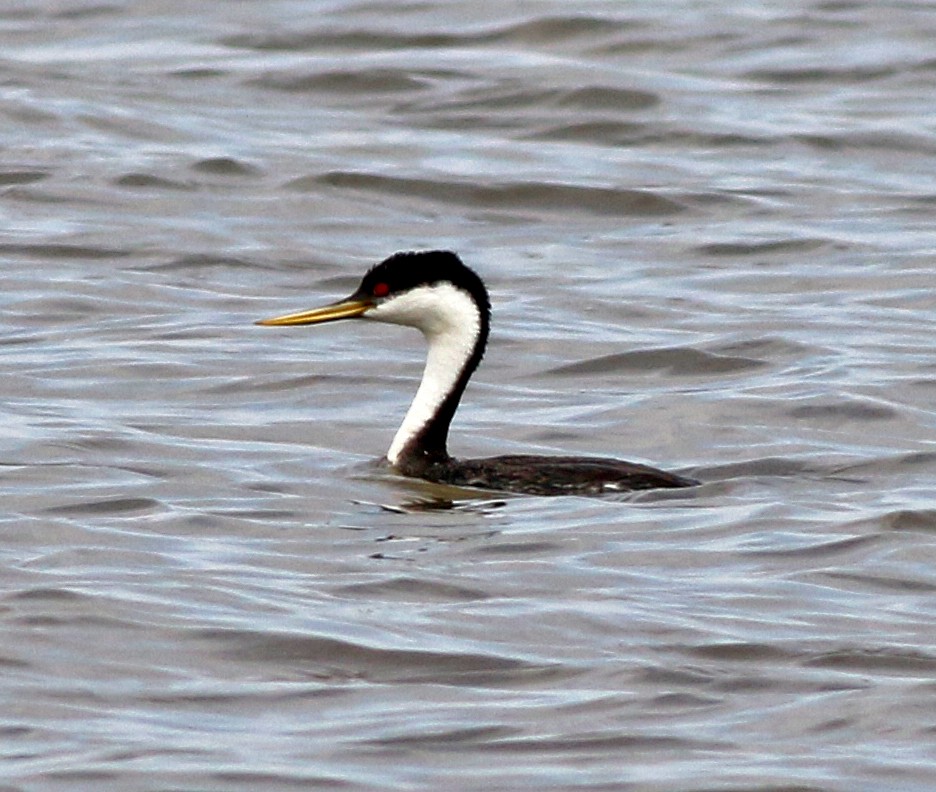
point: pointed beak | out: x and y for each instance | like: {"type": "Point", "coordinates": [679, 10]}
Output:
{"type": "Point", "coordinates": [343, 309]}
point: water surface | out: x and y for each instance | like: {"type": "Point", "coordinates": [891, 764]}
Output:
{"type": "Point", "coordinates": [707, 230]}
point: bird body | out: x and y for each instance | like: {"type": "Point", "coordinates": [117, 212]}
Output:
{"type": "Point", "coordinates": [549, 475]}
{"type": "Point", "coordinates": [436, 293]}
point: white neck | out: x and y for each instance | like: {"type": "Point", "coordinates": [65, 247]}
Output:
{"type": "Point", "coordinates": [449, 319]}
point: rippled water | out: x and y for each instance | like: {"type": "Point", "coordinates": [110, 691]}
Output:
{"type": "Point", "coordinates": [708, 233]}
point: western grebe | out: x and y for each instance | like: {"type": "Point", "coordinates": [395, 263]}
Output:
{"type": "Point", "coordinates": [436, 293]}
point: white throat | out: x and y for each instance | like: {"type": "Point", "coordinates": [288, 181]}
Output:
{"type": "Point", "coordinates": [449, 319]}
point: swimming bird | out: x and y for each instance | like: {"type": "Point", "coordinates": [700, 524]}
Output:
{"type": "Point", "coordinates": [437, 294]}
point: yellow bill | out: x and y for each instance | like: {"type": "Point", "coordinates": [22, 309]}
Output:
{"type": "Point", "coordinates": [345, 309]}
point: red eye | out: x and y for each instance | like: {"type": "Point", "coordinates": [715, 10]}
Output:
{"type": "Point", "coordinates": [380, 290]}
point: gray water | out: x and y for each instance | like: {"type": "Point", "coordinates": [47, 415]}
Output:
{"type": "Point", "coordinates": [708, 233]}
